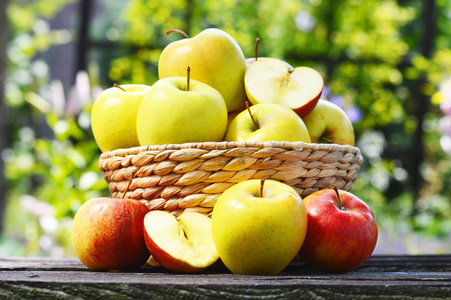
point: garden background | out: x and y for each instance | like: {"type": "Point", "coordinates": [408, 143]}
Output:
{"type": "Point", "coordinates": [386, 62]}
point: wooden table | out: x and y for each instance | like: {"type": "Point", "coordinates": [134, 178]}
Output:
{"type": "Point", "coordinates": [400, 277]}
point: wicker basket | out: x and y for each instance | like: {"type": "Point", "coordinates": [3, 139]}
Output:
{"type": "Point", "coordinates": [178, 177]}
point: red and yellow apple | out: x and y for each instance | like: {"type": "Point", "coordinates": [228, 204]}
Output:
{"type": "Point", "coordinates": [184, 244]}
{"type": "Point", "coordinates": [108, 234]}
{"type": "Point", "coordinates": [271, 80]}
{"type": "Point", "coordinates": [342, 232]}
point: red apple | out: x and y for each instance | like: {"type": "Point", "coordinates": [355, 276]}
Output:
{"type": "Point", "coordinates": [182, 245]}
{"type": "Point", "coordinates": [341, 234]}
{"type": "Point", "coordinates": [107, 234]}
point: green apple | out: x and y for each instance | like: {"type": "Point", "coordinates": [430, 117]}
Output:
{"type": "Point", "coordinates": [184, 244]}
{"type": "Point", "coordinates": [328, 123]}
{"type": "Point", "coordinates": [113, 116]}
{"type": "Point", "coordinates": [215, 59]}
{"type": "Point", "coordinates": [272, 80]}
{"type": "Point", "coordinates": [273, 122]}
{"type": "Point", "coordinates": [173, 113]}
{"type": "Point", "coordinates": [258, 226]}
{"type": "Point", "coordinates": [108, 234]}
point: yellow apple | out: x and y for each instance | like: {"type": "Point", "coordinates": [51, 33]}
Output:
{"type": "Point", "coordinates": [113, 116]}
{"type": "Point", "coordinates": [172, 113]}
{"type": "Point", "coordinates": [215, 58]}
{"type": "Point", "coordinates": [328, 123]}
{"type": "Point", "coordinates": [258, 227]}
{"type": "Point", "coordinates": [273, 122]}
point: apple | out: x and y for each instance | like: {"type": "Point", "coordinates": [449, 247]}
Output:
{"type": "Point", "coordinates": [258, 226]}
{"type": "Point", "coordinates": [180, 110]}
{"type": "Point", "coordinates": [183, 245]}
{"type": "Point", "coordinates": [329, 123]}
{"type": "Point", "coordinates": [215, 59]}
{"type": "Point", "coordinates": [342, 232]}
{"type": "Point", "coordinates": [113, 116]}
{"type": "Point", "coordinates": [108, 234]}
{"type": "Point", "coordinates": [271, 80]}
{"type": "Point", "coordinates": [267, 122]}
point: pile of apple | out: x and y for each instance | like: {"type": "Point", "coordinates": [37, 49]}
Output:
{"type": "Point", "coordinates": [257, 226]}
{"type": "Point", "coordinates": [205, 83]}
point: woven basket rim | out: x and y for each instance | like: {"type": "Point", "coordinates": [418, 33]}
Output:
{"type": "Point", "coordinates": [298, 146]}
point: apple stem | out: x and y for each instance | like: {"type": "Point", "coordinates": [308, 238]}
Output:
{"type": "Point", "coordinates": [262, 183]}
{"type": "Point", "coordinates": [119, 87]}
{"type": "Point", "coordinates": [178, 31]}
{"type": "Point", "coordinates": [252, 117]}
{"type": "Point", "coordinates": [128, 185]}
{"type": "Point", "coordinates": [340, 204]}
{"type": "Point", "coordinates": [257, 41]}
{"type": "Point", "coordinates": [188, 71]}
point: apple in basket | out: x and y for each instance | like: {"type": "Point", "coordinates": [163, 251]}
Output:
{"type": "Point", "coordinates": [179, 110]}
{"type": "Point", "coordinates": [328, 123]}
{"type": "Point", "coordinates": [182, 245]}
{"type": "Point", "coordinates": [215, 59]}
{"type": "Point", "coordinates": [267, 122]}
{"type": "Point", "coordinates": [107, 234]}
{"type": "Point", "coordinates": [271, 80]}
{"type": "Point", "coordinates": [258, 226]}
{"type": "Point", "coordinates": [113, 116]}
{"type": "Point", "coordinates": [342, 232]}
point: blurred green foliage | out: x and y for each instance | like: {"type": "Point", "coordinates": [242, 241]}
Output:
{"type": "Point", "coordinates": [370, 54]}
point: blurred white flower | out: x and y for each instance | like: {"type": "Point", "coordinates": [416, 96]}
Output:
{"type": "Point", "coordinates": [304, 21]}
{"type": "Point", "coordinates": [36, 207]}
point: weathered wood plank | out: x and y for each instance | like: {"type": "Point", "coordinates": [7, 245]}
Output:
{"type": "Point", "coordinates": [420, 277]}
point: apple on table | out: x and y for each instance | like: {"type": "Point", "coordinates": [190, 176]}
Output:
{"type": "Point", "coordinates": [271, 80]}
{"type": "Point", "coordinates": [342, 232]}
{"type": "Point", "coordinates": [108, 234]}
{"type": "Point", "coordinates": [215, 59]}
{"type": "Point", "coordinates": [182, 245]}
{"type": "Point", "coordinates": [258, 226]}
{"type": "Point", "coordinates": [113, 116]}
{"type": "Point", "coordinates": [267, 122]}
{"type": "Point", "coordinates": [180, 110]}
{"type": "Point", "coordinates": [328, 123]}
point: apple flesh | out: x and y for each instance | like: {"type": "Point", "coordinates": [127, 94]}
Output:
{"type": "Point", "coordinates": [342, 234]}
{"type": "Point", "coordinates": [183, 245]}
{"type": "Point", "coordinates": [328, 123]}
{"type": "Point", "coordinates": [258, 230]}
{"type": "Point", "coordinates": [274, 122]}
{"type": "Point", "coordinates": [272, 80]}
{"type": "Point", "coordinates": [108, 234]}
{"type": "Point", "coordinates": [215, 58]}
{"type": "Point", "coordinates": [113, 116]}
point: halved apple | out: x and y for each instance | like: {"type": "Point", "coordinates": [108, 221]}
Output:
{"type": "Point", "coordinates": [272, 80]}
{"type": "Point", "coordinates": [182, 245]}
